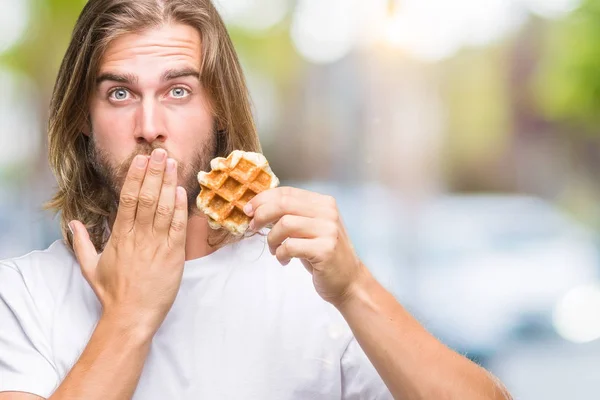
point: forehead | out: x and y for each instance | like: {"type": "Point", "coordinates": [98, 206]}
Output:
{"type": "Point", "coordinates": [153, 50]}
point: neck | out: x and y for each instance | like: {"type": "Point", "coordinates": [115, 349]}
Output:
{"type": "Point", "coordinates": [196, 245]}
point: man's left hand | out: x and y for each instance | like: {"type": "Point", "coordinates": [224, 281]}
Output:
{"type": "Point", "coordinates": [308, 226]}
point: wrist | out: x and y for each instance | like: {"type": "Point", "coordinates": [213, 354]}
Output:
{"type": "Point", "coordinates": [357, 290]}
{"type": "Point", "coordinates": [123, 325]}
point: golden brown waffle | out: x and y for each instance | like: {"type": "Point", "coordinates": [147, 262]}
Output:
{"type": "Point", "coordinates": [233, 182]}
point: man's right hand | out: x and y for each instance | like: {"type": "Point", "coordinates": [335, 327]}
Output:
{"type": "Point", "coordinates": [137, 276]}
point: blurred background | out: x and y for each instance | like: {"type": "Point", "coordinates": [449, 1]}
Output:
{"type": "Point", "coordinates": [460, 138]}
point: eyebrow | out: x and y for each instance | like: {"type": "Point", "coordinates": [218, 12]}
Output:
{"type": "Point", "coordinates": [171, 74]}
{"type": "Point", "coordinates": [121, 78]}
{"type": "Point", "coordinates": [132, 79]}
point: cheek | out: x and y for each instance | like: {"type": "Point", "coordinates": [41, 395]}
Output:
{"type": "Point", "coordinates": [190, 127]}
{"type": "Point", "coordinates": [112, 129]}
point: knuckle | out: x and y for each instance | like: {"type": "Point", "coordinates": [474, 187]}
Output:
{"type": "Point", "coordinates": [286, 246]}
{"type": "Point", "coordinates": [330, 246]}
{"type": "Point", "coordinates": [286, 222]}
{"type": "Point", "coordinates": [169, 181]}
{"type": "Point", "coordinates": [115, 238]}
{"type": "Point", "coordinates": [332, 216]}
{"type": "Point", "coordinates": [135, 177]}
{"type": "Point", "coordinates": [259, 215]}
{"type": "Point", "coordinates": [285, 202]}
{"type": "Point", "coordinates": [147, 200]}
{"type": "Point", "coordinates": [163, 210]}
{"type": "Point", "coordinates": [332, 229]}
{"type": "Point", "coordinates": [180, 206]}
{"type": "Point", "coordinates": [153, 171]}
{"type": "Point", "coordinates": [144, 249]}
{"type": "Point", "coordinates": [283, 250]}
{"type": "Point", "coordinates": [116, 242]}
{"type": "Point", "coordinates": [331, 202]}
{"type": "Point", "coordinates": [128, 200]}
{"type": "Point", "coordinates": [178, 226]}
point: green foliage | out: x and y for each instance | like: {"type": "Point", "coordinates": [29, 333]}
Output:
{"type": "Point", "coordinates": [475, 92]}
{"type": "Point", "coordinates": [568, 83]}
{"type": "Point", "coordinates": [39, 53]}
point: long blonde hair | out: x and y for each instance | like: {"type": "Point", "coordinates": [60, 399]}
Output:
{"type": "Point", "coordinates": [81, 195]}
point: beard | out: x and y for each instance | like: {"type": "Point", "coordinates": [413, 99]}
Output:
{"type": "Point", "coordinates": [113, 176]}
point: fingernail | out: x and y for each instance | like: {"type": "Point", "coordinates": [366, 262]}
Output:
{"type": "Point", "coordinates": [251, 226]}
{"type": "Point", "coordinates": [248, 209]}
{"type": "Point", "coordinates": [140, 161]}
{"type": "Point", "coordinates": [170, 165]}
{"type": "Point", "coordinates": [286, 262]}
{"type": "Point", "coordinates": [158, 155]}
{"type": "Point", "coordinates": [70, 225]}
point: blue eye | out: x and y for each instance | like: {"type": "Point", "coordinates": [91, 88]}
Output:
{"type": "Point", "coordinates": [179, 92]}
{"type": "Point", "coordinates": [119, 94]}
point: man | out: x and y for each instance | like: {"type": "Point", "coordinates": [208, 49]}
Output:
{"type": "Point", "coordinates": [141, 299]}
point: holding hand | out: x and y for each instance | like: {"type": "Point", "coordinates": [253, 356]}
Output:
{"type": "Point", "coordinates": [308, 226]}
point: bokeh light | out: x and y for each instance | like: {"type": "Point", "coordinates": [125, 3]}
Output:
{"type": "Point", "coordinates": [14, 17]}
{"type": "Point", "coordinates": [577, 314]}
{"type": "Point", "coordinates": [19, 128]}
{"type": "Point", "coordinates": [256, 15]}
{"type": "Point", "coordinates": [324, 31]}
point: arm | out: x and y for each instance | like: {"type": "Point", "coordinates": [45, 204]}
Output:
{"type": "Point", "coordinates": [111, 364]}
{"type": "Point", "coordinates": [411, 362]}
{"type": "Point", "coordinates": [136, 280]}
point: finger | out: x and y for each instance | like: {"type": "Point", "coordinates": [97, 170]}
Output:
{"type": "Point", "coordinates": [177, 231]}
{"type": "Point", "coordinates": [150, 191]}
{"type": "Point", "coordinates": [271, 195]}
{"type": "Point", "coordinates": [271, 207]}
{"type": "Point", "coordinates": [293, 226]}
{"type": "Point", "coordinates": [296, 248]}
{"type": "Point", "coordinates": [128, 200]}
{"type": "Point", "coordinates": [166, 202]}
{"type": "Point", "coordinates": [84, 249]}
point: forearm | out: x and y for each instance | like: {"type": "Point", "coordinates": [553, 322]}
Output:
{"type": "Point", "coordinates": [111, 364]}
{"type": "Point", "coordinates": [411, 362]}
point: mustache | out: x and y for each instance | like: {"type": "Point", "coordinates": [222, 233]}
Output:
{"type": "Point", "coordinates": [144, 149]}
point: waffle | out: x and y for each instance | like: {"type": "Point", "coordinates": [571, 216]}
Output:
{"type": "Point", "coordinates": [233, 182]}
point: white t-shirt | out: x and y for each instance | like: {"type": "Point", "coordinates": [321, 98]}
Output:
{"type": "Point", "coordinates": [242, 327]}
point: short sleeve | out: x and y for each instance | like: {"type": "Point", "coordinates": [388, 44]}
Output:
{"type": "Point", "coordinates": [25, 361]}
{"type": "Point", "coordinates": [360, 380]}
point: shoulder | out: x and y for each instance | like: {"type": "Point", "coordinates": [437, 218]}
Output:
{"type": "Point", "coordinates": [38, 275]}
{"type": "Point", "coordinates": [56, 253]}
{"type": "Point", "coordinates": [41, 267]}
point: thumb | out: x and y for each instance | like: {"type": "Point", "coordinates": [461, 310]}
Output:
{"type": "Point", "coordinates": [84, 249]}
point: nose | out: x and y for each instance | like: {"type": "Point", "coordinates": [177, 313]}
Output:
{"type": "Point", "coordinates": [151, 126]}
